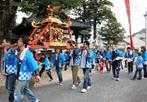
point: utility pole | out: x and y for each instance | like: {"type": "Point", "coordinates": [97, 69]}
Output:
{"type": "Point", "coordinates": [145, 29]}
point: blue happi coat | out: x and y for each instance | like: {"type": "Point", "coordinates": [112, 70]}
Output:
{"type": "Point", "coordinates": [11, 62]}
{"type": "Point", "coordinates": [120, 53]}
{"type": "Point", "coordinates": [139, 62]}
{"type": "Point", "coordinates": [76, 56]}
{"type": "Point", "coordinates": [47, 63]}
{"type": "Point", "coordinates": [130, 55]}
{"type": "Point", "coordinates": [87, 56]}
{"type": "Point", "coordinates": [109, 55]}
{"type": "Point", "coordinates": [61, 59]}
{"type": "Point", "coordinates": [28, 65]}
{"type": "Point", "coordinates": [144, 55]}
{"type": "Point", "coordinates": [67, 55]}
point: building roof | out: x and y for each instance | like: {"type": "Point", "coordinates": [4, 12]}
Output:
{"type": "Point", "coordinates": [25, 27]}
{"type": "Point", "coordinates": [77, 25]}
{"type": "Point", "coordinates": [136, 41]}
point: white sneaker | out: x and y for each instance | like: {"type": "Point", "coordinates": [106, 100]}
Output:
{"type": "Point", "coordinates": [117, 79]}
{"type": "Point", "coordinates": [61, 84]}
{"type": "Point", "coordinates": [144, 78]}
{"type": "Point", "coordinates": [79, 84]}
{"type": "Point", "coordinates": [57, 83]}
{"type": "Point", "coordinates": [74, 87]}
{"type": "Point", "coordinates": [37, 100]}
{"type": "Point", "coordinates": [114, 78]}
{"type": "Point", "coordinates": [89, 87]}
{"type": "Point", "coordinates": [83, 90]}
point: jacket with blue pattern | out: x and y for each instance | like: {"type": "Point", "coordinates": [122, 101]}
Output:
{"type": "Point", "coordinates": [94, 55]}
{"type": "Point", "coordinates": [11, 61]}
{"type": "Point", "coordinates": [28, 66]}
{"type": "Point", "coordinates": [109, 55]}
{"type": "Point", "coordinates": [76, 56]}
{"type": "Point", "coordinates": [129, 55]}
{"type": "Point", "coordinates": [47, 63]}
{"type": "Point", "coordinates": [144, 55]}
{"type": "Point", "coordinates": [61, 59]}
{"type": "Point", "coordinates": [139, 61]}
{"type": "Point", "coordinates": [89, 58]}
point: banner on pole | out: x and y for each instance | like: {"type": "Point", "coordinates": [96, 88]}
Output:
{"type": "Point", "coordinates": [127, 3]}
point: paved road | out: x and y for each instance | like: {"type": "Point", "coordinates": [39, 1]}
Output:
{"type": "Point", "coordinates": [104, 90]}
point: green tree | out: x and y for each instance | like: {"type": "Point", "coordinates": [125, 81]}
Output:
{"type": "Point", "coordinates": [7, 15]}
{"type": "Point", "coordinates": [111, 31]}
{"type": "Point", "coordinates": [8, 9]}
{"type": "Point", "coordinates": [94, 12]}
{"type": "Point", "coordinates": [39, 6]}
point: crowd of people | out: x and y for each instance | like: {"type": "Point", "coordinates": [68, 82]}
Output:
{"type": "Point", "coordinates": [21, 62]}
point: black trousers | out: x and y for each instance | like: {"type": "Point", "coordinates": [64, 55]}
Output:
{"type": "Point", "coordinates": [140, 73]}
{"type": "Point", "coordinates": [48, 72]}
{"type": "Point", "coordinates": [145, 71]}
{"type": "Point", "coordinates": [108, 65]}
{"type": "Point", "coordinates": [130, 67]}
{"type": "Point", "coordinates": [116, 68]}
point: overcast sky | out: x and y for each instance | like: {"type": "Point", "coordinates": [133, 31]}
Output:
{"type": "Point", "coordinates": [138, 8]}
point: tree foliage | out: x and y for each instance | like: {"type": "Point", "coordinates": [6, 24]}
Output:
{"type": "Point", "coordinates": [111, 32]}
{"type": "Point", "coordinates": [7, 15]}
{"type": "Point", "coordinates": [39, 6]}
{"type": "Point", "coordinates": [8, 9]}
{"type": "Point", "coordinates": [94, 12]}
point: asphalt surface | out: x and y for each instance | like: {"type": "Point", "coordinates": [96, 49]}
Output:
{"type": "Point", "coordinates": [104, 89]}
